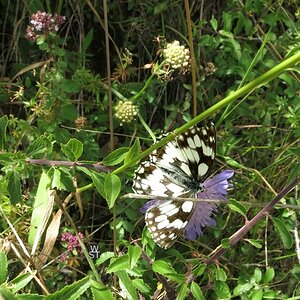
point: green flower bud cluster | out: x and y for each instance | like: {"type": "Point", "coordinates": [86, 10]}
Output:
{"type": "Point", "coordinates": [126, 111]}
{"type": "Point", "coordinates": [177, 56]}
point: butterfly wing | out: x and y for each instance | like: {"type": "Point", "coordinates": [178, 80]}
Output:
{"type": "Point", "coordinates": [175, 170]}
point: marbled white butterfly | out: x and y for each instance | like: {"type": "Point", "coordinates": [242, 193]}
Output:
{"type": "Point", "coordinates": [175, 170]}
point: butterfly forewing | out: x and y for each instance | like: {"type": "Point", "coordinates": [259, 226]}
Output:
{"type": "Point", "coordinates": [176, 170]}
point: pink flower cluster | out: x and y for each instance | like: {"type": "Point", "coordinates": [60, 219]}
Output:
{"type": "Point", "coordinates": [43, 23]}
{"type": "Point", "coordinates": [72, 241]}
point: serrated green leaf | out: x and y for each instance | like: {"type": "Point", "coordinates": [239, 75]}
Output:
{"type": "Point", "coordinates": [104, 257]}
{"type": "Point", "coordinates": [115, 157]}
{"type": "Point", "coordinates": [3, 267]}
{"type": "Point", "coordinates": [162, 267]}
{"type": "Point", "coordinates": [39, 147]}
{"type": "Point", "coordinates": [3, 127]}
{"type": "Point", "coordinates": [63, 181]}
{"type": "Point", "coordinates": [237, 207]}
{"type": "Point", "coordinates": [141, 285]}
{"type": "Point", "coordinates": [119, 263]}
{"type": "Point", "coordinates": [112, 188]}
{"type": "Point", "coordinates": [72, 291]}
{"type": "Point", "coordinates": [72, 149]}
{"type": "Point", "coordinates": [30, 297]}
{"type": "Point", "coordinates": [127, 286]}
{"type": "Point", "coordinates": [134, 253]}
{"type": "Point", "coordinates": [182, 292]}
{"type": "Point", "coordinates": [14, 188]}
{"type": "Point", "coordinates": [98, 181]}
{"type": "Point", "coordinates": [199, 270]}
{"type": "Point", "coordinates": [284, 233]}
{"type": "Point", "coordinates": [222, 290]}
{"type": "Point", "coordinates": [196, 291]}
{"type": "Point", "coordinates": [268, 276]}
{"type": "Point", "coordinates": [133, 151]}
{"type": "Point", "coordinates": [219, 274]}
{"type": "Point", "coordinates": [100, 291]}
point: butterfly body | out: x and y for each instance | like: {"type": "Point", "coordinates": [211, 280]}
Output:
{"type": "Point", "coordinates": [177, 169]}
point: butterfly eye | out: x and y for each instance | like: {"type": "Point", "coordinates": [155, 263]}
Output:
{"type": "Point", "coordinates": [178, 169]}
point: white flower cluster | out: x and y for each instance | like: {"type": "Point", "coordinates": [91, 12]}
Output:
{"type": "Point", "coordinates": [126, 111]}
{"type": "Point", "coordinates": [177, 56]}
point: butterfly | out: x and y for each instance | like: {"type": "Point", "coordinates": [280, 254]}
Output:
{"type": "Point", "coordinates": [177, 169]}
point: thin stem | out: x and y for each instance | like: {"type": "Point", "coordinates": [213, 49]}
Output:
{"type": "Point", "coordinates": [249, 224]}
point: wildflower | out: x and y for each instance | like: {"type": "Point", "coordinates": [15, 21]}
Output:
{"type": "Point", "coordinates": [215, 188]}
{"type": "Point", "coordinates": [71, 242]}
{"type": "Point", "coordinates": [126, 111]}
{"type": "Point", "coordinates": [43, 23]}
{"type": "Point", "coordinates": [177, 56]}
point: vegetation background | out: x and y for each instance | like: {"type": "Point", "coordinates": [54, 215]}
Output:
{"type": "Point", "coordinates": [61, 138]}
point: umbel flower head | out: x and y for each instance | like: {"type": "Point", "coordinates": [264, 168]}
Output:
{"type": "Point", "coordinates": [43, 23]}
{"type": "Point", "coordinates": [126, 111]}
{"type": "Point", "coordinates": [215, 189]}
{"type": "Point", "coordinates": [177, 56]}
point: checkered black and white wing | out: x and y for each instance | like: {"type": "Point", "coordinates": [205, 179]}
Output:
{"type": "Point", "coordinates": [175, 170]}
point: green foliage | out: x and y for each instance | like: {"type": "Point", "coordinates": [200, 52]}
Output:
{"type": "Point", "coordinates": [59, 131]}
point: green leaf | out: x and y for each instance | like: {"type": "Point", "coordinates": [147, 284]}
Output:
{"type": "Point", "coordinates": [222, 290]}
{"type": "Point", "coordinates": [104, 257]}
{"type": "Point", "coordinates": [199, 270]}
{"type": "Point", "coordinates": [39, 147]}
{"type": "Point", "coordinates": [214, 23]}
{"type": "Point", "coordinates": [115, 157]}
{"type": "Point", "coordinates": [256, 243]}
{"type": "Point", "coordinates": [3, 127]}
{"type": "Point", "coordinates": [127, 286]}
{"type": "Point", "coordinates": [73, 149]}
{"type": "Point", "coordinates": [119, 263]}
{"type": "Point", "coordinates": [14, 187]}
{"type": "Point", "coordinates": [162, 267]}
{"type": "Point", "coordinates": [98, 181]}
{"type": "Point", "coordinates": [133, 151]}
{"type": "Point", "coordinates": [3, 267]}
{"type": "Point", "coordinates": [63, 181]}
{"type": "Point", "coordinates": [285, 235]}
{"type": "Point", "coordinates": [141, 285]}
{"type": "Point", "coordinates": [219, 275]}
{"type": "Point", "coordinates": [257, 275]}
{"type": "Point", "coordinates": [268, 276]}
{"type": "Point", "coordinates": [225, 243]}
{"type": "Point", "coordinates": [134, 253]}
{"type": "Point", "coordinates": [20, 281]}
{"type": "Point", "coordinates": [182, 292]}
{"type": "Point", "coordinates": [112, 188]}
{"type": "Point", "coordinates": [196, 291]}
{"type": "Point", "coordinates": [5, 294]}
{"type": "Point", "coordinates": [72, 291]}
{"type": "Point", "coordinates": [237, 207]}
{"type": "Point", "coordinates": [40, 206]}
{"type": "Point", "coordinates": [30, 297]}
{"type": "Point", "coordinates": [296, 272]}
{"type": "Point", "coordinates": [242, 288]}
{"type": "Point", "coordinates": [87, 40]}
{"type": "Point", "coordinates": [100, 291]}
{"type": "Point", "coordinates": [257, 295]}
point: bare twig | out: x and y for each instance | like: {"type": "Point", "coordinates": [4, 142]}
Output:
{"type": "Point", "coordinates": [249, 224]}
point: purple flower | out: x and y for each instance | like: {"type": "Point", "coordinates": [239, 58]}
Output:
{"type": "Point", "coordinates": [43, 23]}
{"type": "Point", "coordinates": [215, 189]}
